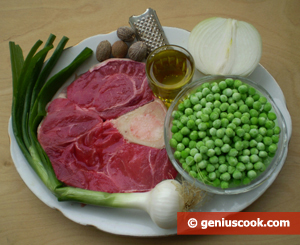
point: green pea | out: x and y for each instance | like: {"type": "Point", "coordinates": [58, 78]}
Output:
{"type": "Point", "coordinates": [227, 92]}
{"type": "Point", "coordinates": [240, 132]}
{"type": "Point", "coordinates": [174, 129]}
{"type": "Point", "coordinates": [184, 119]}
{"type": "Point", "coordinates": [185, 141]}
{"type": "Point", "coordinates": [237, 114]}
{"type": "Point", "coordinates": [240, 167]}
{"type": "Point", "coordinates": [259, 138]}
{"type": "Point", "coordinates": [222, 85]}
{"type": "Point", "coordinates": [181, 107]}
{"type": "Point", "coordinates": [258, 165]}
{"type": "Point", "coordinates": [226, 139]}
{"type": "Point", "coordinates": [218, 151]}
{"type": "Point", "coordinates": [270, 124]}
{"type": "Point", "coordinates": [204, 117]}
{"type": "Point", "coordinates": [223, 168]}
{"type": "Point", "coordinates": [230, 117]}
{"type": "Point", "coordinates": [212, 176]}
{"type": "Point", "coordinates": [247, 136]}
{"type": "Point", "coordinates": [177, 155]}
{"type": "Point", "coordinates": [273, 148]}
{"type": "Point", "coordinates": [214, 160]}
{"type": "Point", "coordinates": [229, 132]}
{"type": "Point", "coordinates": [197, 107]}
{"type": "Point", "coordinates": [193, 135]}
{"type": "Point", "coordinates": [253, 151]}
{"type": "Point", "coordinates": [275, 138]}
{"type": "Point", "coordinates": [187, 103]}
{"type": "Point", "coordinates": [185, 131]}
{"type": "Point", "coordinates": [244, 108]}
{"type": "Point", "coordinates": [249, 102]}
{"type": "Point", "coordinates": [233, 152]}
{"type": "Point", "coordinates": [251, 174]}
{"type": "Point", "coordinates": [189, 160]}
{"type": "Point", "coordinates": [246, 181]}
{"type": "Point", "coordinates": [257, 105]}
{"type": "Point", "coordinates": [270, 132]}
{"type": "Point", "coordinates": [202, 134]}
{"type": "Point", "coordinates": [244, 159]}
{"type": "Point", "coordinates": [225, 176]}
{"type": "Point", "coordinates": [180, 147]}
{"type": "Point", "coordinates": [210, 152]}
{"type": "Point", "coordinates": [210, 97]}
{"type": "Point", "coordinates": [173, 143]}
{"type": "Point", "coordinates": [253, 113]}
{"type": "Point", "coordinates": [210, 168]}
{"type": "Point", "coordinates": [245, 119]}
{"type": "Point", "coordinates": [232, 161]}
{"type": "Point", "coordinates": [254, 158]}
{"type": "Point", "coordinates": [237, 174]}
{"type": "Point", "coordinates": [217, 96]}
{"type": "Point", "coordinates": [229, 82]}
{"type": "Point", "coordinates": [216, 182]}
{"type": "Point", "coordinates": [277, 130]}
{"type": "Point", "coordinates": [237, 83]}
{"type": "Point", "coordinates": [256, 97]}
{"type": "Point", "coordinates": [267, 107]}
{"type": "Point", "coordinates": [224, 106]}
{"type": "Point", "coordinates": [180, 125]}
{"type": "Point", "coordinates": [217, 123]}
{"type": "Point", "coordinates": [243, 89]}
{"type": "Point", "coordinates": [261, 121]}
{"type": "Point", "coordinates": [262, 154]}
{"type": "Point", "coordinates": [267, 140]}
{"type": "Point", "coordinates": [202, 164]}
{"type": "Point", "coordinates": [199, 95]}
{"type": "Point", "coordinates": [194, 99]}
{"type": "Point", "coordinates": [249, 166]}
{"type": "Point", "coordinates": [184, 154]}
{"type": "Point", "coordinates": [178, 137]}
{"type": "Point", "coordinates": [198, 157]}
{"type": "Point", "coordinates": [224, 122]}
{"type": "Point", "coordinates": [260, 146]}
{"type": "Point", "coordinates": [188, 111]}
{"type": "Point", "coordinates": [224, 184]}
{"type": "Point", "coordinates": [193, 174]}
{"type": "Point", "coordinates": [263, 100]}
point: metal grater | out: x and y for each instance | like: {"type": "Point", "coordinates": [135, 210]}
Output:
{"type": "Point", "coordinates": [148, 29]}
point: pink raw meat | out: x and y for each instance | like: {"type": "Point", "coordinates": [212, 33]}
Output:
{"type": "Point", "coordinates": [88, 151]}
{"type": "Point", "coordinates": [113, 88]}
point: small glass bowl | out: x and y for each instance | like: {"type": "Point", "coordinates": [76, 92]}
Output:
{"type": "Point", "coordinates": [261, 178]}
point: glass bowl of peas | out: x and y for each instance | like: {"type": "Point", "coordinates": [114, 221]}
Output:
{"type": "Point", "coordinates": [225, 134]}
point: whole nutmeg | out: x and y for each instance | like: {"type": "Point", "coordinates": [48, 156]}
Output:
{"type": "Point", "coordinates": [126, 34]}
{"type": "Point", "coordinates": [103, 50]}
{"type": "Point", "coordinates": [137, 51]}
{"type": "Point", "coordinates": [119, 49]}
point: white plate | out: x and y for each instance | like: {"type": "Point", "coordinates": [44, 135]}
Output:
{"type": "Point", "coordinates": [134, 222]}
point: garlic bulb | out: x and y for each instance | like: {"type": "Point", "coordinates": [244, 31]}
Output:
{"type": "Point", "coordinates": [223, 46]}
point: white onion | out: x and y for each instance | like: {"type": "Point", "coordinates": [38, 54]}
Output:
{"type": "Point", "coordinates": [223, 46]}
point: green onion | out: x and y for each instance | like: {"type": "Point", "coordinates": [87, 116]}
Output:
{"type": "Point", "coordinates": [30, 97]}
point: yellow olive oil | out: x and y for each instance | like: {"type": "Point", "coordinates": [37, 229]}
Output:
{"type": "Point", "coordinates": [168, 71]}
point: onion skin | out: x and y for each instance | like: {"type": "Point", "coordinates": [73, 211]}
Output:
{"type": "Point", "coordinates": [223, 46]}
